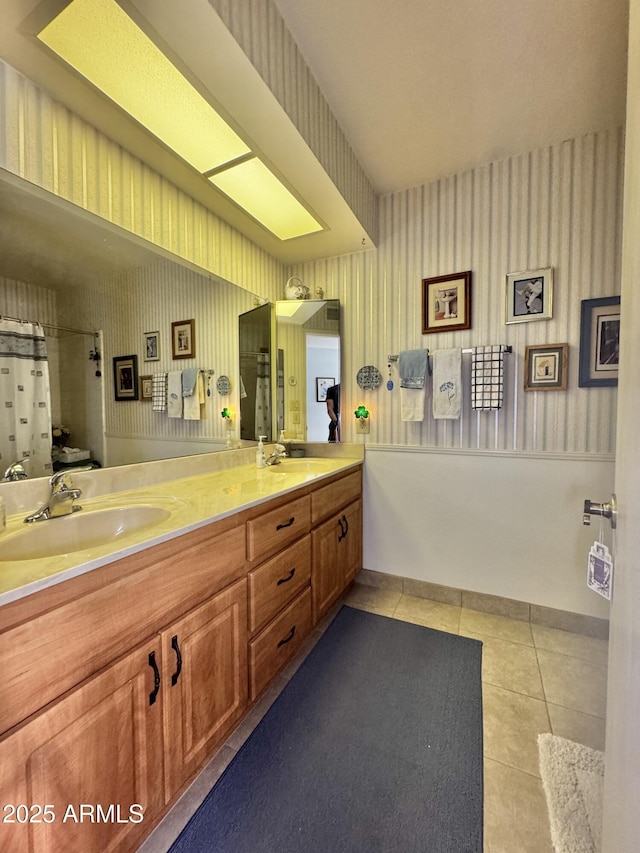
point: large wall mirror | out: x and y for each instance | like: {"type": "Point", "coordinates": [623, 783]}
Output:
{"type": "Point", "coordinates": [308, 344]}
{"type": "Point", "coordinates": [103, 294]}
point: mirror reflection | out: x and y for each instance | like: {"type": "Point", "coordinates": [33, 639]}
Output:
{"type": "Point", "coordinates": [255, 373]}
{"type": "Point", "coordinates": [308, 335]}
{"type": "Point", "coordinates": [108, 303]}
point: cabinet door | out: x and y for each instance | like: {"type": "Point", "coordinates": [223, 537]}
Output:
{"type": "Point", "coordinates": [325, 578]}
{"type": "Point", "coordinates": [85, 774]}
{"type": "Point", "coordinates": [206, 681]}
{"type": "Point", "coordinates": [350, 547]}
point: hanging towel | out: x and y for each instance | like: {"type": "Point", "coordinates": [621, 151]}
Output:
{"type": "Point", "coordinates": [413, 365]}
{"type": "Point", "coordinates": [487, 378]}
{"type": "Point", "coordinates": [174, 394]}
{"type": "Point", "coordinates": [189, 378]}
{"type": "Point", "coordinates": [447, 383]}
{"type": "Point", "coordinates": [193, 402]}
{"type": "Point", "coordinates": [159, 392]}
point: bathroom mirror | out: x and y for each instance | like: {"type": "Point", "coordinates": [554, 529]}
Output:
{"type": "Point", "coordinates": [308, 337]}
{"type": "Point", "coordinates": [64, 267]}
{"type": "Point", "coordinates": [255, 370]}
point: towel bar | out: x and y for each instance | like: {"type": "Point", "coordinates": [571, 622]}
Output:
{"type": "Point", "coordinates": [464, 351]}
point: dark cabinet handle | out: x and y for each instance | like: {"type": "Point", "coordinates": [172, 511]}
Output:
{"type": "Point", "coordinates": [288, 638]}
{"type": "Point", "coordinates": [288, 577]}
{"type": "Point", "coordinates": [346, 524]}
{"type": "Point", "coordinates": [176, 648]}
{"type": "Point", "coordinates": [287, 524]}
{"type": "Point", "coordinates": [343, 532]}
{"type": "Point", "coordinates": [156, 678]}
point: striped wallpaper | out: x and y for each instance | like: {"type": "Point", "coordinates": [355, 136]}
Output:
{"type": "Point", "coordinates": [559, 206]}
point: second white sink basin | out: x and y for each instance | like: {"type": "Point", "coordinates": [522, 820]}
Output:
{"type": "Point", "coordinates": [304, 466]}
{"type": "Point", "coordinates": [81, 530]}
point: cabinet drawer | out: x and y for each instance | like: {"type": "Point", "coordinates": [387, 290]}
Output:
{"type": "Point", "coordinates": [273, 531]}
{"type": "Point", "coordinates": [326, 500]}
{"type": "Point", "coordinates": [278, 643]}
{"type": "Point", "coordinates": [276, 582]}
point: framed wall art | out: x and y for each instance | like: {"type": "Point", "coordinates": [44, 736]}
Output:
{"type": "Point", "coordinates": [146, 388]}
{"type": "Point", "coordinates": [529, 296]}
{"type": "Point", "coordinates": [545, 367]}
{"type": "Point", "coordinates": [183, 339]}
{"type": "Point", "coordinates": [152, 346]}
{"type": "Point", "coordinates": [125, 377]}
{"type": "Point", "coordinates": [599, 342]}
{"type": "Point", "coordinates": [323, 383]}
{"type": "Point", "coordinates": [446, 303]}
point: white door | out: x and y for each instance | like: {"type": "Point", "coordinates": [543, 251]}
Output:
{"type": "Point", "coordinates": [621, 831]}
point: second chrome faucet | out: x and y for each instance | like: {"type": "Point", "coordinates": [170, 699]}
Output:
{"type": "Point", "coordinates": [62, 497]}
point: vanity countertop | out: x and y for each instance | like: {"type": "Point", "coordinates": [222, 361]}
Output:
{"type": "Point", "coordinates": [192, 502]}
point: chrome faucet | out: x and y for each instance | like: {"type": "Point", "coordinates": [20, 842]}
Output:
{"type": "Point", "coordinates": [14, 472]}
{"type": "Point", "coordinates": [62, 497]}
{"type": "Point", "coordinates": [279, 453]}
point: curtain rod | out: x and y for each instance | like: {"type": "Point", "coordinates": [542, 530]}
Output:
{"type": "Point", "coordinates": [51, 326]}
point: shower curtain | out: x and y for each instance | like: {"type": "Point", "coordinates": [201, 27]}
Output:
{"type": "Point", "coordinates": [25, 398]}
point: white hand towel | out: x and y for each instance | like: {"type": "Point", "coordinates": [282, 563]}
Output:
{"type": "Point", "coordinates": [412, 403]}
{"type": "Point", "coordinates": [194, 401]}
{"type": "Point", "coordinates": [174, 394]}
{"type": "Point", "coordinates": [447, 383]}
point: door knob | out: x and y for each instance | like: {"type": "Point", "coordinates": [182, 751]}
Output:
{"type": "Point", "coordinates": [608, 510]}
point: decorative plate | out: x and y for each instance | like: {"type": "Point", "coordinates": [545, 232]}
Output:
{"type": "Point", "coordinates": [223, 384]}
{"type": "Point", "coordinates": [368, 378]}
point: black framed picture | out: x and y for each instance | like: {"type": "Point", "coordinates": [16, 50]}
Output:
{"type": "Point", "coordinates": [125, 377]}
{"type": "Point", "coordinates": [599, 342]}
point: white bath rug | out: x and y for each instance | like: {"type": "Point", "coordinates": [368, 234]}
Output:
{"type": "Point", "coordinates": [572, 778]}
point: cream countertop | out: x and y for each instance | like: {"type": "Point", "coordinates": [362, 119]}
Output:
{"type": "Point", "coordinates": [193, 502]}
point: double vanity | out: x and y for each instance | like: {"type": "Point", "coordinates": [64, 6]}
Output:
{"type": "Point", "coordinates": [137, 633]}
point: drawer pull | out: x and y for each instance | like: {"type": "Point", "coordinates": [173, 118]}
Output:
{"type": "Point", "coordinates": [176, 648]}
{"type": "Point", "coordinates": [288, 638]}
{"type": "Point", "coordinates": [288, 577]}
{"type": "Point", "coordinates": [346, 524]}
{"type": "Point", "coordinates": [287, 524]}
{"type": "Point", "coordinates": [156, 678]}
{"type": "Point", "coordinates": [343, 532]}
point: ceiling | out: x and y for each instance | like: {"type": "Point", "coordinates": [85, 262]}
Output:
{"type": "Point", "coordinates": [428, 88]}
{"type": "Point", "coordinates": [421, 88]}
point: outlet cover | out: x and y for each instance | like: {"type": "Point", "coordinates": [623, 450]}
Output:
{"type": "Point", "coordinates": [363, 426]}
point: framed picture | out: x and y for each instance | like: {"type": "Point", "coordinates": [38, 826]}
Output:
{"type": "Point", "coordinates": [446, 303]}
{"type": "Point", "coordinates": [323, 383]}
{"type": "Point", "coordinates": [529, 296]}
{"type": "Point", "coordinates": [183, 339]}
{"type": "Point", "coordinates": [152, 346]}
{"type": "Point", "coordinates": [545, 367]}
{"type": "Point", "coordinates": [599, 342]}
{"type": "Point", "coordinates": [125, 377]}
{"type": "Point", "coordinates": [146, 388]}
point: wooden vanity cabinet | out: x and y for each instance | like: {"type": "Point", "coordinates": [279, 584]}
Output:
{"type": "Point", "coordinates": [100, 745]}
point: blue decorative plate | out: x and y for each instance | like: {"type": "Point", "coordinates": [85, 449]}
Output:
{"type": "Point", "coordinates": [223, 384]}
{"type": "Point", "coordinates": [368, 378]}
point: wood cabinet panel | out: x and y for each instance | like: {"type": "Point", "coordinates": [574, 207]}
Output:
{"type": "Point", "coordinates": [350, 547]}
{"type": "Point", "coordinates": [99, 747]}
{"type": "Point", "coordinates": [276, 582]}
{"type": "Point", "coordinates": [52, 653]}
{"type": "Point", "coordinates": [325, 577]}
{"type": "Point", "coordinates": [205, 681]}
{"type": "Point", "coordinates": [327, 499]}
{"type": "Point", "coordinates": [272, 531]}
{"type": "Point", "coordinates": [278, 643]}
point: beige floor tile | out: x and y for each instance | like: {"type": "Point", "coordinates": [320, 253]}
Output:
{"type": "Point", "coordinates": [575, 645]}
{"type": "Point", "coordinates": [373, 599]}
{"type": "Point", "coordinates": [515, 812]}
{"type": "Point", "coordinates": [495, 626]}
{"type": "Point", "coordinates": [510, 665]}
{"type": "Point", "coordinates": [431, 614]}
{"type": "Point", "coordinates": [576, 726]}
{"type": "Point", "coordinates": [512, 723]}
{"type": "Point", "coordinates": [573, 683]}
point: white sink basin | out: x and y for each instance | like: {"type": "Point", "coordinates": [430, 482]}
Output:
{"type": "Point", "coordinates": [81, 530]}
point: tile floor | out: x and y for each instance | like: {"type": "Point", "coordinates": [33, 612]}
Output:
{"type": "Point", "coordinates": [535, 680]}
